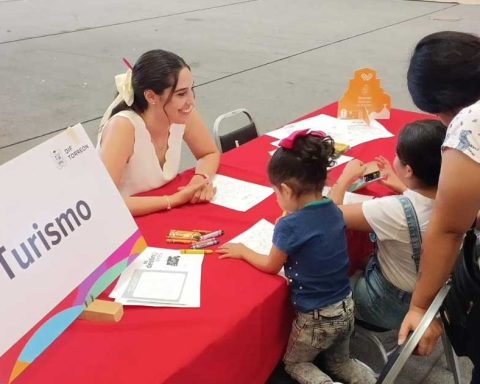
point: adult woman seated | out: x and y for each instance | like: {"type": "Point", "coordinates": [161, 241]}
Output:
{"type": "Point", "coordinates": [141, 134]}
{"type": "Point", "coordinates": [382, 294]}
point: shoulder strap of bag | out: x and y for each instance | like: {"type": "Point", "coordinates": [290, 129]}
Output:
{"type": "Point", "coordinates": [413, 228]}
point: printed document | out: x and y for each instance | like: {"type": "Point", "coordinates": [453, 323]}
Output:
{"type": "Point", "coordinates": [161, 278]}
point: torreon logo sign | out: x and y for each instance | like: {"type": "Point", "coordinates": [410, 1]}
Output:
{"type": "Point", "coordinates": [70, 152]}
{"type": "Point", "coordinates": [74, 152]}
{"type": "Point", "coordinates": [44, 238]}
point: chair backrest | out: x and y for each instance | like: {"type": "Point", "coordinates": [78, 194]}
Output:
{"type": "Point", "coordinates": [234, 138]}
{"type": "Point", "coordinates": [398, 359]}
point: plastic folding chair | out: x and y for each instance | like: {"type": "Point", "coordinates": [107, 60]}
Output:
{"type": "Point", "coordinates": [401, 354]}
{"type": "Point", "coordinates": [234, 138]}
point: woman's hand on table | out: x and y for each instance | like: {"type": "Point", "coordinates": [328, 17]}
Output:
{"type": "Point", "coordinates": [390, 178]}
{"type": "Point", "coordinates": [186, 194]}
{"type": "Point", "coordinates": [233, 251]}
{"type": "Point", "coordinates": [203, 194]}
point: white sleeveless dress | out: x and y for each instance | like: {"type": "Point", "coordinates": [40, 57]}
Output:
{"type": "Point", "coordinates": [143, 171]}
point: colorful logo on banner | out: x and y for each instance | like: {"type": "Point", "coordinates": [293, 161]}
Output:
{"type": "Point", "coordinates": [63, 244]}
{"type": "Point", "coordinates": [365, 99]}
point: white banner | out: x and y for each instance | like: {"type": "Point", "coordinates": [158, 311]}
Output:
{"type": "Point", "coordinates": [61, 217]}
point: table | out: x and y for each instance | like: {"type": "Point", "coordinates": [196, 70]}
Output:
{"type": "Point", "coordinates": [239, 333]}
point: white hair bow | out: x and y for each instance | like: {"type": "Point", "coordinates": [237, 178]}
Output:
{"type": "Point", "coordinates": [123, 82]}
{"type": "Point", "coordinates": [124, 86]}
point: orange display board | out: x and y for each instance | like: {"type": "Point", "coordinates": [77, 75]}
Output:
{"type": "Point", "coordinates": [365, 99]}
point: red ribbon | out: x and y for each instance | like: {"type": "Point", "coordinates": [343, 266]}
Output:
{"type": "Point", "coordinates": [289, 142]}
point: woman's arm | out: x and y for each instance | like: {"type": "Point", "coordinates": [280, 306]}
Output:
{"type": "Point", "coordinates": [116, 148]}
{"type": "Point", "coordinates": [271, 263]}
{"type": "Point", "coordinates": [456, 206]}
{"type": "Point", "coordinates": [143, 205]}
{"type": "Point", "coordinates": [205, 151]}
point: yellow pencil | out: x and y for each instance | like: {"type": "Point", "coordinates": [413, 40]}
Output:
{"type": "Point", "coordinates": [195, 251]}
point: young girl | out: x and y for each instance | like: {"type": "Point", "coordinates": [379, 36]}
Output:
{"type": "Point", "coordinates": [311, 243]}
{"type": "Point", "coordinates": [382, 295]}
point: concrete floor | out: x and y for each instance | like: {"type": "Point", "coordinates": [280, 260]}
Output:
{"type": "Point", "coordinates": [280, 59]}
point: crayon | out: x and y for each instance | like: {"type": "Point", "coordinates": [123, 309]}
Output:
{"type": "Point", "coordinates": [195, 251]}
{"type": "Point", "coordinates": [202, 231]}
{"type": "Point", "coordinates": [211, 235]}
{"type": "Point", "coordinates": [180, 241]}
{"type": "Point", "coordinates": [204, 244]}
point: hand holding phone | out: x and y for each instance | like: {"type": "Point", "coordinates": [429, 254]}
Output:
{"type": "Point", "coordinates": [370, 175]}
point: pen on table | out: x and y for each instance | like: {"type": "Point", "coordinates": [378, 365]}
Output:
{"type": "Point", "coordinates": [211, 235]}
{"type": "Point", "coordinates": [204, 244]}
{"type": "Point", "coordinates": [195, 251]}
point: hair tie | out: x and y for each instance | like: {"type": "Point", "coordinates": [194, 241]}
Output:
{"type": "Point", "coordinates": [289, 141]}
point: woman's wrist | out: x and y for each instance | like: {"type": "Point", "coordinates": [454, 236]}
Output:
{"type": "Point", "coordinates": [201, 176]}
{"type": "Point", "coordinates": [167, 201]}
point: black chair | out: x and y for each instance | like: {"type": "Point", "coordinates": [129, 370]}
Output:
{"type": "Point", "coordinates": [234, 138]}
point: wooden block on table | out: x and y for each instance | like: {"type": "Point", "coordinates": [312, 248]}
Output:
{"type": "Point", "coordinates": [103, 310]}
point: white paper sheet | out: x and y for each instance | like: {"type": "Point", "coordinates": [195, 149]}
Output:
{"type": "Point", "coordinates": [341, 160]}
{"type": "Point", "coordinates": [351, 132]}
{"type": "Point", "coordinates": [350, 197]}
{"type": "Point", "coordinates": [238, 194]}
{"type": "Point", "coordinates": [259, 238]}
{"type": "Point", "coordinates": [161, 278]}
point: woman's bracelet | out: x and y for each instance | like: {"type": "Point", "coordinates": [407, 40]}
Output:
{"type": "Point", "coordinates": [169, 205]}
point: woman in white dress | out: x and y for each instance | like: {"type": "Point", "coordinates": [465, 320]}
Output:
{"type": "Point", "coordinates": [142, 131]}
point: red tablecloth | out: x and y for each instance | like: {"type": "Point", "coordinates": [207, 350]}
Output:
{"type": "Point", "coordinates": [239, 333]}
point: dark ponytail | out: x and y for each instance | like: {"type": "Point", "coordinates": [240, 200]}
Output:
{"type": "Point", "coordinates": [304, 167]}
{"type": "Point", "coordinates": [156, 70]}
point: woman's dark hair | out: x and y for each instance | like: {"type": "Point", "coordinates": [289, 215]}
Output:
{"type": "Point", "coordinates": [444, 72]}
{"type": "Point", "coordinates": [156, 70]}
{"type": "Point", "coordinates": [304, 167]}
{"type": "Point", "coordinates": [420, 146]}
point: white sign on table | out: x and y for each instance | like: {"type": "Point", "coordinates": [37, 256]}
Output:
{"type": "Point", "coordinates": [65, 234]}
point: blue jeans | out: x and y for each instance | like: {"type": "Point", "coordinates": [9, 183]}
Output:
{"type": "Point", "coordinates": [324, 332]}
{"type": "Point", "coordinates": [377, 301]}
